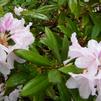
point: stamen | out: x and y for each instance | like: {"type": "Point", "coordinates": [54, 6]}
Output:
{"type": "Point", "coordinates": [4, 39]}
{"type": "Point", "coordinates": [85, 71]}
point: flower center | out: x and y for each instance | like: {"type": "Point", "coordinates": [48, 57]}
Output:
{"type": "Point", "coordinates": [4, 37]}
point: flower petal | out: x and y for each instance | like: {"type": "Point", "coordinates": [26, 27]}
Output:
{"type": "Point", "coordinates": [4, 68]}
{"type": "Point", "coordinates": [72, 83]}
{"type": "Point", "coordinates": [84, 62]}
{"type": "Point", "coordinates": [2, 55]}
{"type": "Point", "coordinates": [84, 89]}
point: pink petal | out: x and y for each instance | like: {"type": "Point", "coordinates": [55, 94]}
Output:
{"type": "Point", "coordinates": [84, 62]}
{"type": "Point", "coordinates": [72, 83]}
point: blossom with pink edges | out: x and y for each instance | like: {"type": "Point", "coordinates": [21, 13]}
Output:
{"type": "Point", "coordinates": [89, 60]}
{"type": "Point", "coordinates": [13, 31]}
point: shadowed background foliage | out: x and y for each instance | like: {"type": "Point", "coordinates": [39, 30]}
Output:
{"type": "Point", "coordinates": [43, 76]}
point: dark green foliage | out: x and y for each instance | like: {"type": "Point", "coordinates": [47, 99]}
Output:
{"type": "Point", "coordinates": [43, 76]}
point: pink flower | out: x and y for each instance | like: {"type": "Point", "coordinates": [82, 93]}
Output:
{"type": "Point", "coordinates": [14, 30]}
{"type": "Point", "coordinates": [13, 96]}
{"type": "Point", "coordinates": [86, 57]}
{"type": "Point", "coordinates": [84, 82]}
{"type": "Point", "coordinates": [22, 35]}
{"type": "Point", "coordinates": [89, 59]}
{"type": "Point", "coordinates": [4, 66]}
{"type": "Point", "coordinates": [6, 22]}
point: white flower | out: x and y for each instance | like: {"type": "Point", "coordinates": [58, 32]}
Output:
{"type": "Point", "coordinates": [86, 57]}
{"type": "Point", "coordinates": [4, 66]}
{"type": "Point", "coordinates": [13, 96]}
{"type": "Point", "coordinates": [84, 82]}
{"type": "Point", "coordinates": [16, 31]}
{"type": "Point", "coordinates": [89, 59]}
{"type": "Point", "coordinates": [18, 10]}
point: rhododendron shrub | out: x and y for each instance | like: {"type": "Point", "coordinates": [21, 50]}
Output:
{"type": "Point", "coordinates": [50, 50]}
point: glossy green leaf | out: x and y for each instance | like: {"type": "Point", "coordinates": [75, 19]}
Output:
{"type": "Point", "coordinates": [35, 14]}
{"type": "Point", "coordinates": [65, 46]}
{"type": "Point", "coordinates": [3, 2]}
{"type": "Point", "coordinates": [45, 9]}
{"type": "Point", "coordinates": [39, 97]}
{"type": "Point", "coordinates": [1, 11]}
{"type": "Point", "coordinates": [61, 2]}
{"type": "Point", "coordinates": [63, 92]}
{"type": "Point", "coordinates": [85, 21]}
{"type": "Point", "coordinates": [97, 25]}
{"type": "Point", "coordinates": [70, 68]}
{"type": "Point", "coordinates": [35, 86]}
{"type": "Point", "coordinates": [66, 31]}
{"type": "Point", "coordinates": [54, 76]}
{"type": "Point", "coordinates": [16, 79]}
{"type": "Point", "coordinates": [52, 43]}
{"type": "Point", "coordinates": [33, 57]}
{"type": "Point", "coordinates": [51, 93]}
{"type": "Point", "coordinates": [96, 31]}
{"type": "Point", "coordinates": [74, 6]}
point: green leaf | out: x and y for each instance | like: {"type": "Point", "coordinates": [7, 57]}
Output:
{"type": "Point", "coordinates": [51, 42]}
{"type": "Point", "coordinates": [35, 86]}
{"type": "Point", "coordinates": [34, 14]}
{"type": "Point", "coordinates": [45, 9]}
{"type": "Point", "coordinates": [74, 7]}
{"type": "Point", "coordinates": [33, 57]}
{"type": "Point", "coordinates": [54, 76]}
{"type": "Point", "coordinates": [39, 97]}
{"type": "Point", "coordinates": [65, 30]}
{"type": "Point", "coordinates": [72, 25]}
{"type": "Point", "coordinates": [52, 93]}
{"type": "Point", "coordinates": [3, 2]}
{"type": "Point", "coordinates": [85, 21]}
{"type": "Point", "coordinates": [95, 31]}
{"type": "Point", "coordinates": [61, 2]}
{"type": "Point", "coordinates": [65, 46]}
{"type": "Point", "coordinates": [1, 11]}
{"type": "Point", "coordinates": [63, 92]}
{"type": "Point", "coordinates": [70, 68]}
{"type": "Point", "coordinates": [16, 79]}
{"type": "Point", "coordinates": [97, 25]}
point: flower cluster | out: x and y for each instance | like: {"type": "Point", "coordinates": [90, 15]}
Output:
{"type": "Point", "coordinates": [13, 35]}
{"type": "Point", "coordinates": [89, 59]}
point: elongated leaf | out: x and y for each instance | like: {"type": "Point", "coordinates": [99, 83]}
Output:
{"type": "Point", "coordinates": [36, 85]}
{"type": "Point", "coordinates": [54, 76]}
{"type": "Point", "coordinates": [3, 2]}
{"type": "Point", "coordinates": [51, 93]}
{"type": "Point", "coordinates": [61, 2]}
{"type": "Point", "coordinates": [70, 68]}
{"type": "Point", "coordinates": [1, 11]}
{"type": "Point", "coordinates": [65, 46]}
{"type": "Point", "coordinates": [96, 31]}
{"type": "Point", "coordinates": [33, 57]}
{"type": "Point", "coordinates": [66, 31]}
{"type": "Point", "coordinates": [39, 97]}
{"type": "Point", "coordinates": [63, 92]}
{"type": "Point", "coordinates": [97, 25]}
{"type": "Point", "coordinates": [35, 14]}
{"type": "Point", "coordinates": [45, 9]}
{"type": "Point", "coordinates": [16, 79]}
{"type": "Point", "coordinates": [52, 43]}
{"type": "Point", "coordinates": [74, 7]}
